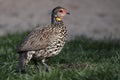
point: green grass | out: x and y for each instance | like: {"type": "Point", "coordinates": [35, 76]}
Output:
{"type": "Point", "coordinates": [80, 59]}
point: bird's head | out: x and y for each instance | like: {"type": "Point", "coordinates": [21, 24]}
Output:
{"type": "Point", "coordinates": [58, 13]}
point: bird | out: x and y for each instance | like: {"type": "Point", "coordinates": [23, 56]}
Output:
{"type": "Point", "coordinates": [45, 42]}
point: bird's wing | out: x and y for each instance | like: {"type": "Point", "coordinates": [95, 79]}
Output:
{"type": "Point", "coordinates": [37, 39]}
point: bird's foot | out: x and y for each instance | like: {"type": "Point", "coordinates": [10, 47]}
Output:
{"type": "Point", "coordinates": [23, 71]}
{"type": "Point", "coordinates": [36, 68]}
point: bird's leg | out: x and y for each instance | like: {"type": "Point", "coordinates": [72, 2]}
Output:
{"type": "Point", "coordinates": [45, 66]}
{"type": "Point", "coordinates": [36, 66]}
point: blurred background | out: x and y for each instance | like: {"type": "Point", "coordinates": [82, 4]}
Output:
{"type": "Point", "coordinates": [97, 19]}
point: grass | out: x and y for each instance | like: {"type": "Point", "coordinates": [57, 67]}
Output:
{"type": "Point", "coordinates": [80, 59]}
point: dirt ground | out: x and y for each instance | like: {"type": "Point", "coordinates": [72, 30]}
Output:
{"type": "Point", "coordinates": [98, 19]}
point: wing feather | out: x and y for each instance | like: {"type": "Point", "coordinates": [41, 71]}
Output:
{"type": "Point", "coordinates": [37, 39]}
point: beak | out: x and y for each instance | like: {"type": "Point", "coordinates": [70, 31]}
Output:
{"type": "Point", "coordinates": [68, 13]}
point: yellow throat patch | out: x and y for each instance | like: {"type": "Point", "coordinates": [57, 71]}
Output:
{"type": "Point", "coordinates": [58, 18]}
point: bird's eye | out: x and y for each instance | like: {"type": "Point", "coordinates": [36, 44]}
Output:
{"type": "Point", "coordinates": [61, 11]}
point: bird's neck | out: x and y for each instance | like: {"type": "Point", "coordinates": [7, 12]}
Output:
{"type": "Point", "coordinates": [56, 20]}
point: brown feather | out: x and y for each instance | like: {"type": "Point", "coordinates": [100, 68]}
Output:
{"type": "Point", "coordinates": [39, 38]}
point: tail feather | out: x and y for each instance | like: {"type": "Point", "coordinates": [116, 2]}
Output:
{"type": "Point", "coordinates": [23, 60]}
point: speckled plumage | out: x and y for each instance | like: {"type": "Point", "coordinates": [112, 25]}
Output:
{"type": "Point", "coordinates": [42, 43]}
